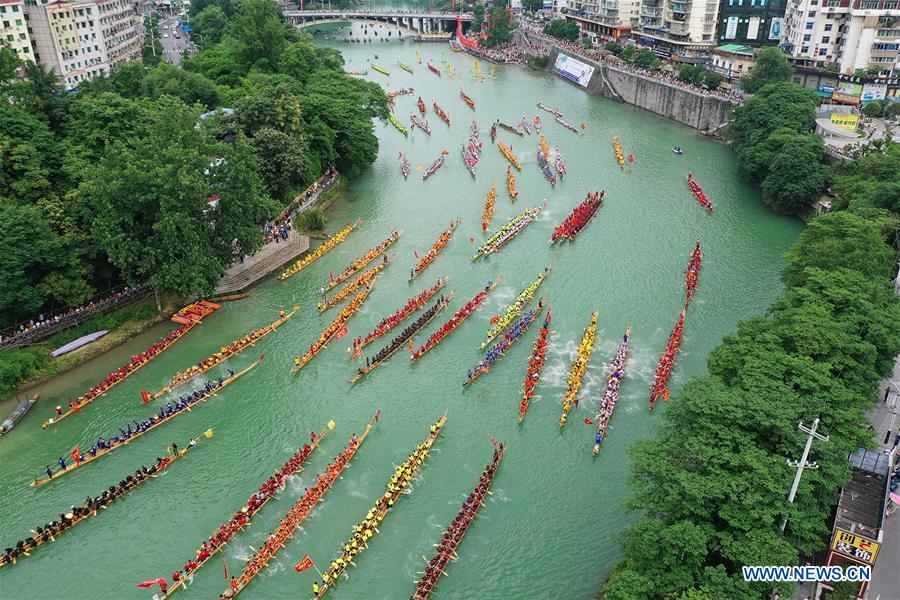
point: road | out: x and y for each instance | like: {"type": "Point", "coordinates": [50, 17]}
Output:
{"type": "Point", "coordinates": [173, 46]}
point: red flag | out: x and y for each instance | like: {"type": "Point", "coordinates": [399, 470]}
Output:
{"type": "Point", "coordinates": [341, 333]}
{"type": "Point", "coordinates": [630, 158]}
{"type": "Point", "coordinates": [582, 124]}
{"type": "Point", "coordinates": [261, 356]}
{"type": "Point", "coordinates": [331, 276]}
{"type": "Point", "coordinates": [493, 441]}
{"type": "Point", "coordinates": [665, 394]}
{"type": "Point", "coordinates": [588, 421]}
{"type": "Point", "coordinates": [76, 454]}
{"type": "Point", "coordinates": [416, 253]}
{"type": "Point", "coordinates": [472, 240]}
{"type": "Point", "coordinates": [145, 396]}
{"type": "Point", "coordinates": [225, 564]}
{"type": "Point", "coordinates": [377, 415]}
{"type": "Point", "coordinates": [303, 564]}
{"type": "Point", "coordinates": [444, 153]}
{"type": "Point", "coordinates": [152, 582]}
{"type": "Point", "coordinates": [495, 320]}
{"type": "Point", "coordinates": [399, 156]}
{"type": "Point", "coordinates": [411, 348]}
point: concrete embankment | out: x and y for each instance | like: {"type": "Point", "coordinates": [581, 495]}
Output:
{"type": "Point", "coordinates": [703, 112]}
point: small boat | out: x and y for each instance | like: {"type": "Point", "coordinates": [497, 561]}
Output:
{"type": "Point", "coordinates": [545, 167]}
{"type": "Point", "coordinates": [545, 147]}
{"type": "Point", "coordinates": [421, 124]}
{"type": "Point", "coordinates": [553, 111]}
{"type": "Point", "coordinates": [493, 132]}
{"type": "Point", "coordinates": [558, 162]}
{"type": "Point", "coordinates": [537, 123]}
{"type": "Point", "coordinates": [566, 124]}
{"type": "Point", "coordinates": [406, 68]}
{"type": "Point", "coordinates": [620, 155]}
{"type": "Point", "coordinates": [514, 310]}
{"type": "Point", "coordinates": [526, 125]}
{"type": "Point", "coordinates": [338, 325]}
{"type": "Point", "coordinates": [579, 366]}
{"type": "Point", "coordinates": [499, 350]}
{"type": "Point", "coordinates": [469, 160]}
{"type": "Point", "coordinates": [578, 219]}
{"type": "Point", "coordinates": [82, 341]}
{"type": "Point", "coordinates": [440, 113]}
{"type": "Point", "coordinates": [474, 128]}
{"type": "Point", "coordinates": [611, 394]}
{"type": "Point", "coordinates": [467, 100]}
{"type": "Point", "coordinates": [698, 192]}
{"type": "Point", "coordinates": [381, 70]}
{"type": "Point", "coordinates": [366, 279]}
{"type": "Point", "coordinates": [400, 126]}
{"type": "Point", "coordinates": [489, 207]}
{"type": "Point", "coordinates": [511, 184]}
{"type": "Point", "coordinates": [507, 232]}
{"type": "Point", "coordinates": [434, 69]}
{"type": "Point", "coordinates": [232, 297]}
{"type": "Point", "coordinates": [677, 150]}
{"type": "Point", "coordinates": [360, 263]}
{"type": "Point", "coordinates": [508, 153]}
{"type": "Point", "coordinates": [434, 166]}
{"type": "Point", "coordinates": [692, 278]}
{"type": "Point", "coordinates": [404, 166]}
{"type": "Point", "coordinates": [510, 128]}
{"type": "Point", "coordinates": [18, 413]}
{"type": "Point", "coordinates": [311, 257]}
{"type": "Point", "coordinates": [421, 105]}
{"type": "Point", "coordinates": [535, 366]}
{"type": "Point", "coordinates": [435, 249]}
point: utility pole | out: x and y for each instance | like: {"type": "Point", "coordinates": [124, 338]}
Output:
{"type": "Point", "coordinates": [802, 464]}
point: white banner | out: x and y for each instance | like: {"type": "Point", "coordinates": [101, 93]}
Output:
{"type": "Point", "coordinates": [731, 28]}
{"type": "Point", "coordinates": [573, 69]}
{"type": "Point", "coordinates": [775, 28]}
{"type": "Point", "coordinates": [874, 91]}
{"type": "Point", "coordinates": [753, 28]}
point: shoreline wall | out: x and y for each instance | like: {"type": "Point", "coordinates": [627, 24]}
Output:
{"type": "Point", "coordinates": [705, 113]}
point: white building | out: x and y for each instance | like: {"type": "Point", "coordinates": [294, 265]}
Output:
{"type": "Point", "coordinates": [608, 18]}
{"type": "Point", "coordinates": [81, 39]}
{"type": "Point", "coordinates": [14, 30]}
{"type": "Point", "coordinates": [851, 34]}
{"type": "Point", "coordinates": [680, 25]}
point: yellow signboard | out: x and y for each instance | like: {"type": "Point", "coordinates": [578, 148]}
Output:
{"type": "Point", "coordinates": [850, 122]}
{"type": "Point", "coordinates": [854, 546]}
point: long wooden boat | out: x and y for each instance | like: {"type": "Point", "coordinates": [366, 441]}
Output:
{"type": "Point", "coordinates": [553, 111]}
{"type": "Point", "coordinates": [692, 278]}
{"type": "Point", "coordinates": [510, 128]}
{"type": "Point", "coordinates": [404, 166]}
{"type": "Point", "coordinates": [559, 164]}
{"type": "Point", "coordinates": [18, 413]}
{"type": "Point", "coordinates": [617, 148]}
{"type": "Point", "coordinates": [499, 350]}
{"type": "Point", "coordinates": [579, 365]}
{"type": "Point", "coordinates": [501, 322]}
{"type": "Point", "coordinates": [224, 353]}
{"type": "Point", "coordinates": [442, 115]}
{"type": "Point", "coordinates": [513, 227]}
{"type": "Point", "coordinates": [469, 160]}
{"type": "Point", "coordinates": [397, 486]}
{"type": "Point", "coordinates": [421, 104]}
{"type": "Point", "coordinates": [446, 549]}
{"type": "Point", "coordinates": [488, 212]}
{"type": "Point", "coordinates": [436, 248]}
{"type": "Point", "coordinates": [508, 153]}
{"type": "Point", "coordinates": [398, 316]}
{"type": "Point", "coordinates": [363, 279]}
{"type": "Point", "coordinates": [537, 123]}
{"type": "Point", "coordinates": [526, 125]}
{"type": "Point", "coordinates": [433, 167]}
{"type": "Point", "coordinates": [200, 396]}
{"type": "Point", "coordinates": [579, 218]}
{"type": "Point", "coordinates": [493, 132]}
{"type": "Point", "coordinates": [667, 363]}
{"type": "Point", "coordinates": [535, 366]}
{"type": "Point", "coordinates": [434, 69]}
{"type": "Point", "coordinates": [406, 68]}
{"type": "Point", "coordinates": [102, 388]}
{"type": "Point", "coordinates": [405, 336]}
{"type": "Point", "coordinates": [545, 147]}
{"type": "Point", "coordinates": [611, 393]}
{"type": "Point", "coordinates": [417, 122]}
{"type": "Point", "coordinates": [456, 320]}
{"type": "Point", "coordinates": [298, 513]}
{"type": "Point", "coordinates": [361, 262]}
{"type": "Point", "coordinates": [242, 518]}
{"type": "Point", "coordinates": [469, 102]}
{"type": "Point", "coordinates": [566, 124]}
{"type": "Point", "coordinates": [698, 192]}
{"type": "Point", "coordinates": [381, 70]}
{"type": "Point", "coordinates": [332, 329]}
{"type": "Point", "coordinates": [87, 510]}
{"type": "Point", "coordinates": [330, 244]}
{"type": "Point", "coordinates": [544, 164]}
{"type": "Point", "coordinates": [511, 184]}
{"type": "Point", "coordinates": [400, 126]}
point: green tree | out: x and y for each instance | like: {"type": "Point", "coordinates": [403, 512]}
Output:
{"type": "Point", "coordinates": [771, 66]}
{"type": "Point", "coordinates": [211, 24]}
{"type": "Point", "coordinates": [500, 26]}
{"type": "Point", "coordinates": [166, 80]}
{"type": "Point", "coordinates": [712, 80]}
{"type": "Point", "coordinates": [796, 176]}
{"type": "Point", "coordinates": [873, 109]}
{"type": "Point", "coordinates": [30, 156]}
{"type": "Point", "coordinates": [275, 107]}
{"type": "Point", "coordinates": [562, 29]}
{"type": "Point", "coordinates": [645, 59]}
{"type": "Point", "coordinates": [313, 220]}
{"type": "Point", "coordinates": [478, 17]}
{"type": "Point", "coordinates": [41, 93]}
{"type": "Point", "coordinates": [870, 182]}
{"type": "Point", "coordinates": [258, 26]}
{"type": "Point", "coordinates": [221, 64]}
{"type": "Point", "coordinates": [283, 162]}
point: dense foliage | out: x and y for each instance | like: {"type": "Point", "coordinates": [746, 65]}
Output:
{"type": "Point", "coordinates": [771, 66]}
{"type": "Point", "coordinates": [125, 181]}
{"type": "Point", "coordinates": [562, 29]}
{"type": "Point", "coordinates": [771, 132]}
{"type": "Point", "coordinates": [699, 76]}
{"type": "Point", "coordinates": [499, 26]}
{"type": "Point", "coordinates": [711, 484]}
{"type": "Point", "coordinates": [644, 59]}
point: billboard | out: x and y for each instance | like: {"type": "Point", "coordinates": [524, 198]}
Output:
{"type": "Point", "coordinates": [753, 28]}
{"type": "Point", "coordinates": [775, 28]}
{"type": "Point", "coordinates": [731, 28]}
{"type": "Point", "coordinates": [874, 91]}
{"type": "Point", "coordinates": [573, 69]}
{"type": "Point", "coordinates": [855, 546]}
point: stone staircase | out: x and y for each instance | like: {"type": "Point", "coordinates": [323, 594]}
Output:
{"type": "Point", "coordinates": [266, 261]}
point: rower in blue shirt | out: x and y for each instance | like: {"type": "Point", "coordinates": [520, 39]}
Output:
{"type": "Point", "coordinates": [49, 471]}
{"type": "Point", "coordinates": [62, 463]}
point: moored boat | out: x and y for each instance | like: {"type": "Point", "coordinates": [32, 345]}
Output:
{"type": "Point", "coordinates": [508, 153]}
{"type": "Point", "coordinates": [501, 322]}
{"type": "Point", "coordinates": [499, 350]}
{"type": "Point", "coordinates": [488, 213]}
{"type": "Point", "coordinates": [611, 393]}
{"type": "Point", "coordinates": [442, 115]}
{"type": "Point", "coordinates": [510, 128]}
{"type": "Point", "coordinates": [469, 102]}
{"type": "Point", "coordinates": [323, 248]}
{"type": "Point", "coordinates": [579, 366]}
{"type": "Point", "coordinates": [535, 366]}
{"type": "Point", "coordinates": [433, 167]}
{"type": "Point", "coordinates": [513, 227]}
{"type": "Point", "coordinates": [698, 193]}
{"type": "Point", "coordinates": [360, 263]}
{"type": "Point", "coordinates": [578, 219]}
{"type": "Point", "coordinates": [435, 249]}
{"type": "Point", "coordinates": [339, 325]}
{"type": "Point", "coordinates": [18, 413]}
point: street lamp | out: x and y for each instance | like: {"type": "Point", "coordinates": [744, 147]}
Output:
{"type": "Point", "coordinates": [802, 464]}
{"type": "Point", "coordinates": [887, 435]}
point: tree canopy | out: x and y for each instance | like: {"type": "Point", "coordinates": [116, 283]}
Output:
{"type": "Point", "coordinates": [562, 29]}
{"type": "Point", "coordinates": [772, 66]}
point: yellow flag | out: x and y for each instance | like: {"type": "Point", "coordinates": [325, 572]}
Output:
{"type": "Point", "coordinates": [331, 424]}
{"type": "Point", "coordinates": [208, 433]}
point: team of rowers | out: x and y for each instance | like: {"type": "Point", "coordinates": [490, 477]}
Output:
{"type": "Point", "coordinates": [297, 515]}
{"type": "Point", "coordinates": [535, 365]}
{"type": "Point", "coordinates": [365, 279]}
{"type": "Point", "coordinates": [693, 273]}
{"type": "Point", "coordinates": [445, 329]}
{"type": "Point", "coordinates": [363, 531]}
{"type": "Point", "coordinates": [133, 365]}
{"type": "Point", "coordinates": [611, 394]}
{"type": "Point", "coordinates": [90, 507]}
{"type": "Point", "coordinates": [363, 260]}
{"type": "Point", "coordinates": [332, 328]}
{"type": "Point", "coordinates": [698, 192]}
{"type": "Point", "coordinates": [511, 229]}
{"type": "Point", "coordinates": [667, 362]}
{"type": "Point", "coordinates": [511, 183]}
{"type": "Point", "coordinates": [508, 153]}
{"type": "Point", "coordinates": [544, 164]}
{"type": "Point", "coordinates": [405, 335]}
{"type": "Point", "coordinates": [489, 207]}
{"type": "Point", "coordinates": [576, 373]}
{"type": "Point", "coordinates": [435, 249]}
{"type": "Point", "coordinates": [499, 349]}
{"type": "Point", "coordinates": [446, 549]}
{"type": "Point", "coordinates": [239, 520]}
{"type": "Point", "coordinates": [514, 309]}
{"type": "Point", "coordinates": [580, 216]}
{"type": "Point", "coordinates": [330, 243]}
{"type": "Point", "coordinates": [440, 113]}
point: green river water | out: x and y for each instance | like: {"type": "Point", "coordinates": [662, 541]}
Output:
{"type": "Point", "coordinates": [552, 527]}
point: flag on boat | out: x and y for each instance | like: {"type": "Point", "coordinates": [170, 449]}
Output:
{"type": "Point", "coordinates": [588, 421]}
{"type": "Point", "coordinates": [225, 564]}
{"type": "Point", "coordinates": [331, 276]}
{"type": "Point", "coordinates": [377, 415]}
{"type": "Point", "coordinates": [208, 433]}
{"type": "Point", "coordinates": [331, 424]}
{"type": "Point", "coordinates": [76, 454]}
{"type": "Point", "coordinates": [416, 253]}
{"type": "Point", "coordinates": [145, 396]}
{"type": "Point", "coordinates": [495, 320]}
{"type": "Point", "coordinates": [152, 582]}
{"type": "Point", "coordinates": [341, 333]}
{"type": "Point", "coordinates": [303, 564]}
{"type": "Point", "coordinates": [665, 394]}
{"type": "Point", "coordinates": [444, 153]}
{"type": "Point", "coordinates": [493, 441]}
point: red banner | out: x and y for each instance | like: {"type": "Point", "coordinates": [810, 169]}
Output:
{"type": "Point", "coordinates": [303, 564]}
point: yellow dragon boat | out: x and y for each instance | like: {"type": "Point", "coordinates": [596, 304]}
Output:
{"type": "Point", "coordinates": [329, 244]}
{"type": "Point", "coordinates": [576, 373]}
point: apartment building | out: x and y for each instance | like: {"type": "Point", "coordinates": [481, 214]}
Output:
{"type": "Point", "coordinates": [853, 35]}
{"type": "Point", "coordinates": [13, 29]}
{"type": "Point", "coordinates": [608, 18]}
{"type": "Point", "coordinates": [751, 22]}
{"type": "Point", "coordinates": [681, 27]}
{"type": "Point", "coordinates": [81, 39]}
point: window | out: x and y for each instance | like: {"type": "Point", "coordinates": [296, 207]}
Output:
{"type": "Point", "coordinates": [812, 13]}
{"type": "Point", "coordinates": [890, 6]}
{"type": "Point", "coordinates": [804, 49]}
{"type": "Point", "coordinates": [826, 39]}
{"type": "Point", "coordinates": [869, 5]}
{"type": "Point", "coordinates": [810, 25]}
{"type": "Point", "coordinates": [828, 26]}
{"type": "Point", "coordinates": [807, 37]}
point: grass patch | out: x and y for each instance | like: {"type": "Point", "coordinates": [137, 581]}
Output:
{"type": "Point", "coordinates": [139, 311]}
{"type": "Point", "coordinates": [19, 364]}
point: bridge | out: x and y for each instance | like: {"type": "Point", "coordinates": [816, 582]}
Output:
{"type": "Point", "coordinates": [427, 21]}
